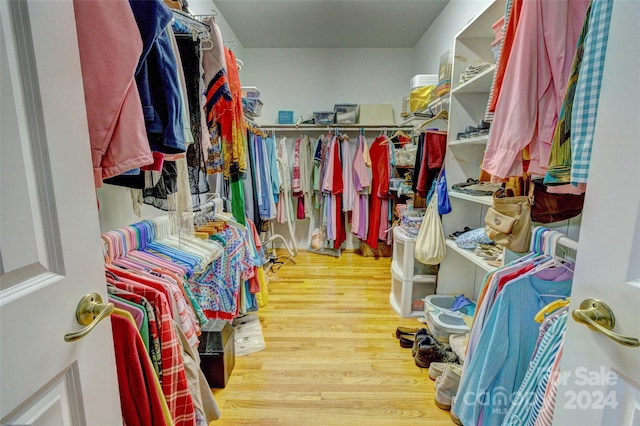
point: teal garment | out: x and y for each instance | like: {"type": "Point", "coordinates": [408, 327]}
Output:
{"type": "Point", "coordinates": [202, 318]}
{"type": "Point", "coordinates": [144, 328]}
{"type": "Point", "coordinates": [504, 350]}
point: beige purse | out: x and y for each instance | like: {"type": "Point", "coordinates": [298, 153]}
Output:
{"type": "Point", "coordinates": [430, 246]}
{"type": "Point", "coordinates": [508, 222]}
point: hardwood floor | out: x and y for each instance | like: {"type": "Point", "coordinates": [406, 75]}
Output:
{"type": "Point", "coordinates": [331, 355]}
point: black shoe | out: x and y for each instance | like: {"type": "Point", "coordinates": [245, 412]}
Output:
{"type": "Point", "coordinates": [433, 351]}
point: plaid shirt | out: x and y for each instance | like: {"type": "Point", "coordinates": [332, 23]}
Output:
{"type": "Point", "coordinates": [585, 102]}
{"type": "Point", "coordinates": [174, 381]}
{"type": "Point", "coordinates": [180, 308]}
{"type": "Point", "coordinates": [154, 336]}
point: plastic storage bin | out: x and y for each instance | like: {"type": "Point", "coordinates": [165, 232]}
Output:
{"type": "Point", "coordinates": [324, 117]}
{"type": "Point", "coordinates": [441, 320]}
{"type": "Point", "coordinates": [345, 113]}
{"type": "Point", "coordinates": [252, 107]}
{"type": "Point", "coordinates": [285, 117]}
{"type": "Point", "coordinates": [250, 92]}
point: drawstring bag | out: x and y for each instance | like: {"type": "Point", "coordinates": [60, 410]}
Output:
{"type": "Point", "coordinates": [430, 246]}
{"type": "Point", "coordinates": [444, 205]}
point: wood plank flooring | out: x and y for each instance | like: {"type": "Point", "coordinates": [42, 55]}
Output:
{"type": "Point", "coordinates": [331, 356]}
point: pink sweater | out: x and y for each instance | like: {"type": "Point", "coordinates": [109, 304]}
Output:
{"type": "Point", "coordinates": [110, 46]}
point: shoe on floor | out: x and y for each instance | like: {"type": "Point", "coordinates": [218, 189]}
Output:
{"type": "Point", "coordinates": [403, 331]}
{"type": "Point", "coordinates": [420, 334]}
{"type": "Point", "coordinates": [407, 340]}
{"type": "Point", "coordinates": [458, 344]}
{"type": "Point", "coordinates": [436, 369]}
{"type": "Point", "coordinates": [454, 418]}
{"type": "Point", "coordinates": [447, 386]}
{"type": "Point", "coordinates": [431, 350]}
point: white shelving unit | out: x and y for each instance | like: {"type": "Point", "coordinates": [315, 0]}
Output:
{"type": "Point", "coordinates": [469, 255]}
{"type": "Point", "coordinates": [462, 271]}
{"type": "Point", "coordinates": [410, 279]}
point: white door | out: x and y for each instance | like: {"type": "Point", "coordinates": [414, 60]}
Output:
{"type": "Point", "coordinates": [49, 234]}
{"type": "Point", "coordinates": [600, 381]}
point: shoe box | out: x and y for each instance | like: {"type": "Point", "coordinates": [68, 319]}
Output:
{"type": "Point", "coordinates": [441, 320]}
{"type": "Point", "coordinates": [217, 352]}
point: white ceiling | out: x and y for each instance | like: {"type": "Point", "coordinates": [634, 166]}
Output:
{"type": "Point", "coordinates": [329, 23]}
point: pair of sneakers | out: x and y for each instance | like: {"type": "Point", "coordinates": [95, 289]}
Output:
{"type": "Point", "coordinates": [428, 349]}
{"type": "Point", "coordinates": [447, 377]}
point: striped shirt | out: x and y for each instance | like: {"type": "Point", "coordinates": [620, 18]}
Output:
{"type": "Point", "coordinates": [528, 400]}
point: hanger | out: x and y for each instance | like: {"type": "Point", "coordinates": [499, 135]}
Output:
{"type": "Point", "coordinates": [202, 29]}
{"type": "Point", "coordinates": [550, 308]}
{"type": "Point", "coordinates": [442, 115]}
{"type": "Point", "coordinates": [400, 133]}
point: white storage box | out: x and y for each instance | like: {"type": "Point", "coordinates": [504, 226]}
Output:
{"type": "Point", "coordinates": [441, 320]}
{"type": "Point", "coordinates": [422, 80]}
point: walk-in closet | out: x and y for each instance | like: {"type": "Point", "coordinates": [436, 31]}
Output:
{"type": "Point", "coordinates": [410, 212]}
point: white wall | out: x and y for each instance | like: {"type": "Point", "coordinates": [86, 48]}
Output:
{"type": "Point", "coordinates": [308, 80]}
{"type": "Point", "coordinates": [439, 37]}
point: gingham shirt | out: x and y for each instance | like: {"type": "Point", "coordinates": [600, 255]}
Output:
{"type": "Point", "coordinates": [585, 102]}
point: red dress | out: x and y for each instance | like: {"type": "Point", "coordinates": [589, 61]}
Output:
{"type": "Point", "coordinates": [379, 153]}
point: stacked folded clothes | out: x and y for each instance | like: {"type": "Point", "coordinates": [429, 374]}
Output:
{"type": "Point", "coordinates": [473, 70]}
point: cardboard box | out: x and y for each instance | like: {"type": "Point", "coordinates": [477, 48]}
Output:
{"type": "Point", "coordinates": [375, 114]}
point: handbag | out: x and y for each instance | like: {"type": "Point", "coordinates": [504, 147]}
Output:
{"type": "Point", "coordinates": [549, 208]}
{"type": "Point", "coordinates": [508, 221]}
{"type": "Point", "coordinates": [430, 246]}
{"type": "Point", "coordinates": [444, 205]}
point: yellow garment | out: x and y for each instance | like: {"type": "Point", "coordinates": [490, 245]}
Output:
{"type": "Point", "coordinates": [420, 97]}
{"type": "Point", "coordinates": [163, 402]}
{"type": "Point", "coordinates": [263, 297]}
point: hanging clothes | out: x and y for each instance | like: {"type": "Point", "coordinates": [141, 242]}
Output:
{"type": "Point", "coordinates": [511, 18]}
{"type": "Point", "coordinates": [362, 185]}
{"type": "Point", "coordinates": [503, 338]}
{"type": "Point", "coordinates": [173, 379]}
{"type": "Point", "coordinates": [349, 195]}
{"type": "Point", "coordinates": [140, 399]}
{"type": "Point", "coordinates": [431, 160]}
{"type": "Point", "coordinates": [543, 47]}
{"type": "Point", "coordinates": [528, 400]}
{"type": "Point", "coordinates": [285, 205]}
{"type": "Point", "coordinates": [587, 97]}
{"type": "Point", "coordinates": [559, 169]}
{"type": "Point", "coordinates": [379, 200]}
{"type": "Point", "coordinates": [116, 122]}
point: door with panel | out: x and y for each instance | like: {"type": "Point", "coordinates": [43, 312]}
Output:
{"type": "Point", "coordinates": [50, 248]}
{"type": "Point", "coordinates": [599, 382]}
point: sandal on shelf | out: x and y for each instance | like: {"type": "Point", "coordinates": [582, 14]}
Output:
{"type": "Point", "coordinates": [459, 186]}
{"type": "Point", "coordinates": [456, 234]}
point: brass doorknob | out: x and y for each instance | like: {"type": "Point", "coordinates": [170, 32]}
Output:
{"type": "Point", "coordinates": [599, 317]}
{"type": "Point", "coordinates": [90, 312]}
